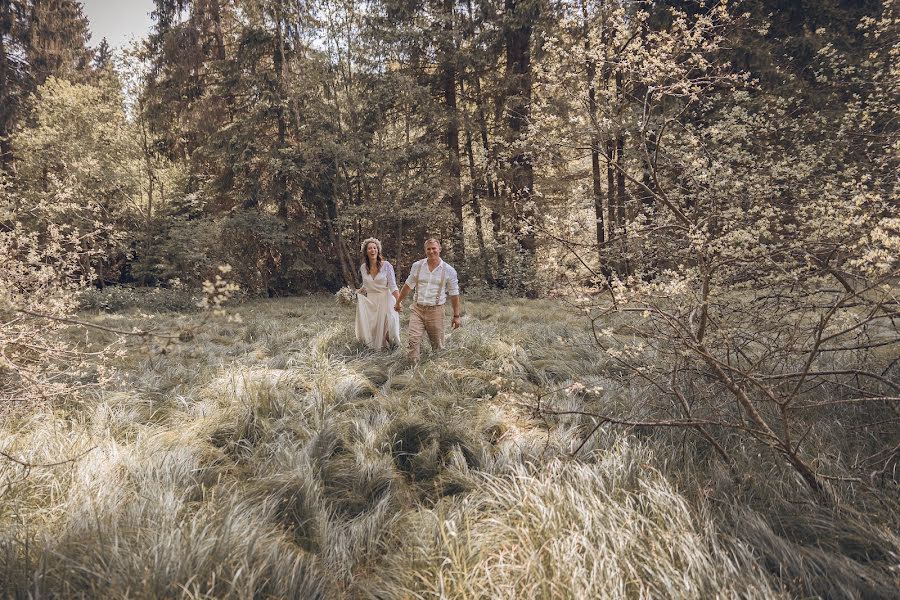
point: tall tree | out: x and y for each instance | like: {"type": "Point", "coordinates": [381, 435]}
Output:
{"type": "Point", "coordinates": [80, 155]}
{"type": "Point", "coordinates": [280, 189]}
{"type": "Point", "coordinates": [448, 60]}
{"type": "Point", "coordinates": [58, 38]}
{"type": "Point", "coordinates": [427, 36]}
{"type": "Point", "coordinates": [479, 59]}
{"type": "Point", "coordinates": [518, 25]}
{"type": "Point", "coordinates": [102, 56]}
{"type": "Point", "coordinates": [13, 74]}
{"type": "Point", "coordinates": [596, 177]}
{"type": "Point", "coordinates": [186, 48]}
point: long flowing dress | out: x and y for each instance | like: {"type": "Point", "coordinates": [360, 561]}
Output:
{"type": "Point", "coordinates": [377, 323]}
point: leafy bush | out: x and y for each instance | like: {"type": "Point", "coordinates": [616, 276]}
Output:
{"type": "Point", "coordinates": [42, 266]}
{"type": "Point", "coordinates": [761, 254]}
{"type": "Point", "coordinates": [122, 297]}
{"type": "Point", "coordinates": [267, 257]}
{"type": "Point", "coordinates": [78, 156]}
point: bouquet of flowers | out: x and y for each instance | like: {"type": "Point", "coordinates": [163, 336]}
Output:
{"type": "Point", "coordinates": [345, 295]}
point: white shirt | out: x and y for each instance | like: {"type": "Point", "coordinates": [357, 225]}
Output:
{"type": "Point", "coordinates": [430, 291]}
{"type": "Point", "coordinates": [386, 273]}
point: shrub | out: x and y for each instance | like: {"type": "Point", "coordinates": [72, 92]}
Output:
{"type": "Point", "coordinates": [122, 297]}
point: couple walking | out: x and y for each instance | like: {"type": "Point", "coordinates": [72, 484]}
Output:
{"type": "Point", "coordinates": [379, 301]}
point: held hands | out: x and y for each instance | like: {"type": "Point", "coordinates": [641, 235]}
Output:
{"type": "Point", "coordinates": [397, 306]}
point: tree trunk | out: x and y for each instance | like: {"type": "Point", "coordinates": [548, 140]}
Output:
{"type": "Point", "coordinates": [621, 197]}
{"type": "Point", "coordinates": [488, 177]}
{"type": "Point", "coordinates": [5, 103]}
{"type": "Point", "coordinates": [151, 178]}
{"type": "Point", "coordinates": [280, 190]}
{"type": "Point", "coordinates": [476, 210]}
{"type": "Point", "coordinates": [520, 18]}
{"type": "Point", "coordinates": [489, 180]}
{"type": "Point", "coordinates": [609, 146]}
{"type": "Point", "coordinates": [454, 192]}
{"type": "Point", "coordinates": [520, 15]}
{"type": "Point", "coordinates": [621, 203]}
{"type": "Point", "coordinates": [610, 155]}
{"type": "Point", "coordinates": [399, 244]}
{"type": "Point", "coordinates": [648, 201]}
{"type": "Point", "coordinates": [215, 11]}
{"type": "Point", "coordinates": [591, 68]}
{"type": "Point", "coordinates": [325, 193]}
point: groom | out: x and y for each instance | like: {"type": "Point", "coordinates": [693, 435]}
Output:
{"type": "Point", "coordinates": [434, 280]}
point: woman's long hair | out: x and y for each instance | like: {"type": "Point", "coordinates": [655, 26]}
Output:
{"type": "Point", "coordinates": [365, 255]}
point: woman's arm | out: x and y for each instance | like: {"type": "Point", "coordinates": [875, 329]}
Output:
{"type": "Point", "coordinates": [391, 278]}
{"type": "Point", "coordinates": [392, 281]}
{"type": "Point", "coordinates": [362, 289]}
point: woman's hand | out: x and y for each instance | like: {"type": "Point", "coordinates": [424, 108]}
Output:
{"type": "Point", "coordinates": [361, 291]}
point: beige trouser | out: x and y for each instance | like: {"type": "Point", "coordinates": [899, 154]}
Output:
{"type": "Point", "coordinates": [425, 319]}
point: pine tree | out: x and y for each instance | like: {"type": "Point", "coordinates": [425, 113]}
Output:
{"type": "Point", "coordinates": [187, 56]}
{"type": "Point", "coordinates": [57, 41]}
{"type": "Point", "coordinates": [102, 56]}
{"type": "Point", "coordinates": [13, 74]}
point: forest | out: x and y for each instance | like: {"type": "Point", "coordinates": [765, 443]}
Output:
{"type": "Point", "coordinates": [676, 225]}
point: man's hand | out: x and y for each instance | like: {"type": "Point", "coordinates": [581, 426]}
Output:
{"type": "Point", "coordinates": [454, 302]}
{"type": "Point", "coordinates": [400, 296]}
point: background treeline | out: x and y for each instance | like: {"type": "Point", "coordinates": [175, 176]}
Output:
{"type": "Point", "coordinates": [274, 135]}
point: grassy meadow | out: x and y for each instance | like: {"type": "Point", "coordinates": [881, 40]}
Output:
{"type": "Point", "coordinates": [277, 458]}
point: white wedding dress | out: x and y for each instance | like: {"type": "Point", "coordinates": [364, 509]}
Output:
{"type": "Point", "coordinates": [377, 323]}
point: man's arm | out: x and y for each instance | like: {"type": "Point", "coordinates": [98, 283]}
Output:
{"type": "Point", "coordinates": [403, 292]}
{"type": "Point", "coordinates": [407, 288]}
{"type": "Point", "coordinates": [453, 294]}
{"type": "Point", "coordinates": [454, 302]}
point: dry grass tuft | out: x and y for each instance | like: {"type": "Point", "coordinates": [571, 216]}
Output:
{"type": "Point", "coordinates": [612, 529]}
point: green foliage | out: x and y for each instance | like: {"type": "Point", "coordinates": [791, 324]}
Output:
{"type": "Point", "coordinates": [267, 257]}
{"type": "Point", "coordinates": [127, 298]}
{"type": "Point", "coordinates": [395, 119]}
{"type": "Point", "coordinates": [176, 249]}
{"type": "Point", "coordinates": [80, 136]}
{"type": "Point", "coordinates": [261, 249]}
{"type": "Point", "coordinates": [78, 162]}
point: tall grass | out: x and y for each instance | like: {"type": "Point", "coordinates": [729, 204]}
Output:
{"type": "Point", "coordinates": [612, 528]}
{"type": "Point", "coordinates": [278, 458]}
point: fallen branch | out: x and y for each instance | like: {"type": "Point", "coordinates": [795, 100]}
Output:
{"type": "Point", "coordinates": [28, 466]}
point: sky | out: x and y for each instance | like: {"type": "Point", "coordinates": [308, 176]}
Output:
{"type": "Point", "coordinates": [118, 20]}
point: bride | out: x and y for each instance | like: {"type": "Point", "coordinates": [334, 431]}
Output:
{"type": "Point", "coordinates": [377, 323]}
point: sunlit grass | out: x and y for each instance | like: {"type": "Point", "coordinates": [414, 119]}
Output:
{"type": "Point", "coordinates": [277, 458]}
